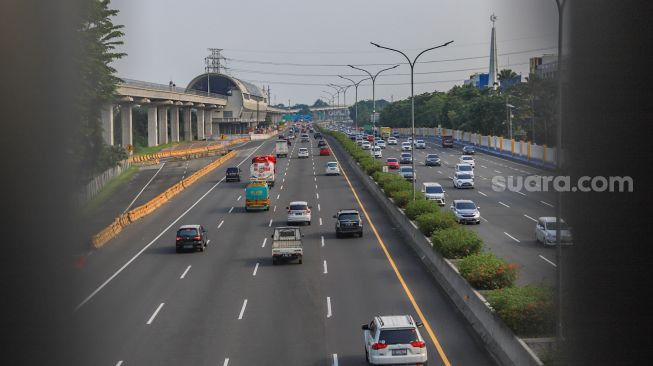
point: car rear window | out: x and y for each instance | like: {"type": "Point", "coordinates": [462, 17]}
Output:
{"type": "Point", "coordinates": [332, 165]}
{"type": "Point", "coordinates": [465, 168]}
{"type": "Point", "coordinates": [298, 207]}
{"type": "Point", "coordinates": [391, 160]}
{"type": "Point", "coordinates": [464, 176]}
{"type": "Point", "coordinates": [433, 189]}
{"type": "Point", "coordinates": [398, 336]}
{"type": "Point", "coordinates": [232, 170]}
{"type": "Point", "coordinates": [465, 206]}
{"type": "Point", "coordinates": [348, 216]}
{"type": "Point", "coordinates": [187, 232]}
{"type": "Point", "coordinates": [431, 156]}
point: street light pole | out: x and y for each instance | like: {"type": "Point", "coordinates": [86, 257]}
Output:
{"type": "Point", "coordinates": [373, 96]}
{"type": "Point", "coordinates": [342, 89]}
{"type": "Point", "coordinates": [355, 84]}
{"type": "Point", "coordinates": [412, 97]}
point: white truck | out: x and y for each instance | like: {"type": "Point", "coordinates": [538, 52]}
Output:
{"type": "Point", "coordinates": [263, 169]}
{"type": "Point", "coordinates": [281, 148]}
{"type": "Point", "coordinates": [287, 244]}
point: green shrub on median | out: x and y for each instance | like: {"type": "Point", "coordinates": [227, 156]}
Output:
{"type": "Point", "coordinates": [401, 197]}
{"type": "Point", "coordinates": [430, 222]}
{"type": "Point", "coordinates": [486, 271]}
{"type": "Point", "coordinates": [456, 242]}
{"type": "Point", "coordinates": [420, 206]}
{"type": "Point", "coordinates": [528, 310]}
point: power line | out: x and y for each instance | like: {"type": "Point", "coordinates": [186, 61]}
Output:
{"type": "Point", "coordinates": [322, 84]}
{"type": "Point", "coordinates": [381, 64]}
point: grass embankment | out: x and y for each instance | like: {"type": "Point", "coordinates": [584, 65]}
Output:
{"type": "Point", "coordinates": [109, 189]}
{"type": "Point", "coordinates": [144, 150]}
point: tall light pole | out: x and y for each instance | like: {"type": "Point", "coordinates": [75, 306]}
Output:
{"type": "Point", "coordinates": [331, 94]}
{"type": "Point", "coordinates": [412, 96]}
{"type": "Point", "coordinates": [342, 89]}
{"type": "Point", "coordinates": [355, 84]}
{"type": "Point", "coordinates": [373, 96]}
{"type": "Point", "coordinates": [509, 108]}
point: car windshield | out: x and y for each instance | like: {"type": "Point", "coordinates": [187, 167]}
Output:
{"type": "Point", "coordinates": [391, 160]}
{"type": "Point", "coordinates": [464, 176]}
{"type": "Point", "coordinates": [420, 141]}
{"type": "Point", "coordinates": [405, 155]}
{"type": "Point", "coordinates": [232, 170]}
{"type": "Point", "coordinates": [467, 158]}
{"type": "Point", "coordinates": [552, 226]}
{"type": "Point", "coordinates": [398, 336]}
{"type": "Point", "coordinates": [434, 189]}
{"type": "Point", "coordinates": [465, 168]}
{"type": "Point", "coordinates": [187, 232]}
{"type": "Point", "coordinates": [298, 207]}
{"type": "Point", "coordinates": [432, 156]}
{"type": "Point", "coordinates": [348, 216]}
{"type": "Point", "coordinates": [332, 165]}
{"type": "Point", "coordinates": [465, 206]}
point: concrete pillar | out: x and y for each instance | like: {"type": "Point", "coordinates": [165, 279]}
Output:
{"type": "Point", "coordinates": [188, 130]}
{"type": "Point", "coordinates": [163, 124]}
{"type": "Point", "coordinates": [107, 124]}
{"type": "Point", "coordinates": [152, 139]}
{"type": "Point", "coordinates": [208, 122]}
{"type": "Point", "coordinates": [126, 119]}
{"type": "Point", "coordinates": [174, 124]}
{"type": "Point", "coordinates": [200, 123]}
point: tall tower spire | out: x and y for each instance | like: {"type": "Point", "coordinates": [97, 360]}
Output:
{"type": "Point", "coordinates": [494, 67]}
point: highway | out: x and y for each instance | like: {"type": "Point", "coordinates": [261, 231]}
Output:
{"type": "Point", "coordinates": [507, 218]}
{"type": "Point", "coordinates": [143, 304]}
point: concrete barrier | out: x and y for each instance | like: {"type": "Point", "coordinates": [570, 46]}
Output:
{"type": "Point", "coordinates": [120, 222]}
{"type": "Point", "coordinates": [500, 340]}
{"type": "Point", "coordinates": [186, 152]}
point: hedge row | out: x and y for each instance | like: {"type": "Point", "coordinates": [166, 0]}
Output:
{"type": "Point", "coordinates": [527, 310]}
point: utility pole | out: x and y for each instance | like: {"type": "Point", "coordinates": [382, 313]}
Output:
{"type": "Point", "coordinates": [213, 65]}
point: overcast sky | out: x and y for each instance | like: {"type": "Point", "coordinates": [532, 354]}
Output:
{"type": "Point", "coordinates": [168, 39]}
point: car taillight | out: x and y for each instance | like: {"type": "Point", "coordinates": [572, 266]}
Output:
{"type": "Point", "coordinates": [178, 238]}
{"type": "Point", "coordinates": [379, 346]}
{"type": "Point", "coordinates": [418, 344]}
{"type": "Point", "coordinates": [308, 210]}
{"type": "Point", "coordinates": [197, 238]}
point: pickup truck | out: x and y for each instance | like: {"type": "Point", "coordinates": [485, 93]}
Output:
{"type": "Point", "coordinates": [287, 244]}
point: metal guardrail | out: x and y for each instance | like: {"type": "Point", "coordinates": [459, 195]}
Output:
{"type": "Point", "coordinates": [168, 88]}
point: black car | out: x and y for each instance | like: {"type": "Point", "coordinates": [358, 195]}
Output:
{"type": "Point", "coordinates": [432, 160]}
{"type": "Point", "coordinates": [321, 143]}
{"type": "Point", "coordinates": [468, 150]}
{"type": "Point", "coordinates": [191, 238]}
{"type": "Point", "coordinates": [233, 174]}
{"type": "Point", "coordinates": [317, 135]}
{"type": "Point", "coordinates": [348, 222]}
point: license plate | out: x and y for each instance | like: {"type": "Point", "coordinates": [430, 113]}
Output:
{"type": "Point", "coordinates": [399, 352]}
{"type": "Point", "coordinates": [188, 246]}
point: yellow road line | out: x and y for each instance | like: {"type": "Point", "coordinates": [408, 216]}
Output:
{"type": "Point", "coordinates": [429, 330]}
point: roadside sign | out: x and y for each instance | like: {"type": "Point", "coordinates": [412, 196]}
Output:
{"type": "Point", "coordinates": [130, 147]}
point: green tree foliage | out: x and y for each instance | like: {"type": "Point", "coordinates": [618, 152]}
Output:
{"type": "Point", "coordinates": [365, 110]}
{"type": "Point", "coordinates": [98, 38]}
{"type": "Point", "coordinates": [506, 74]}
{"type": "Point", "coordinates": [320, 103]}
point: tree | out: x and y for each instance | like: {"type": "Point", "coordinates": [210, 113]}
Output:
{"type": "Point", "coordinates": [320, 103]}
{"type": "Point", "coordinates": [506, 74]}
{"type": "Point", "coordinates": [98, 38]}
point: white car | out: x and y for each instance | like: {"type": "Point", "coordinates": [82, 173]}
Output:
{"type": "Point", "coordinates": [366, 145]}
{"type": "Point", "coordinates": [376, 152]}
{"type": "Point", "coordinates": [332, 168]}
{"type": "Point", "coordinates": [392, 141]}
{"type": "Point", "coordinates": [420, 144]}
{"type": "Point", "coordinates": [359, 142]}
{"type": "Point", "coordinates": [465, 168]}
{"type": "Point", "coordinates": [467, 159]}
{"type": "Point", "coordinates": [545, 231]}
{"type": "Point", "coordinates": [299, 211]}
{"type": "Point", "coordinates": [410, 140]}
{"type": "Point", "coordinates": [394, 339]}
{"type": "Point", "coordinates": [302, 153]}
{"type": "Point", "coordinates": [463, 180]}
{"type": "Point", "coordinates": [380, 143]}
{"type": "Point", "coordinates": [405, 146]}
{"type": "Point", "coordinates": [433, 192]}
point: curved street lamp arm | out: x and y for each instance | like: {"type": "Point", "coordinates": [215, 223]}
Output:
{"type": "Point", "coordinates": [380, 71]}
{"type": "Point", "coordinates": [428, 49]}
{"type": "Point", "coordinates": [365, 71]}
{"type": "Point", "coordinates": [392, 49]}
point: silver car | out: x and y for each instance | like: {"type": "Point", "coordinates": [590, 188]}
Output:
{"type": "Point", "coordinates": [407, 173]}
{"type": "Point", "coordinates": [466, 211]}
{"type": "Point", "coordinates": [545, 231]}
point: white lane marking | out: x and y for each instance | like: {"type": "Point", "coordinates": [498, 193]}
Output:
{"type": "Point", "coordinates": [482, 177]}
{"type": "Point", "coordinates": [317, 195]}
{"type": "Point", "coordinates": [322, 239]}
{"type": "Point", "coordinates": [184, 274]}
{"type": "Point", "coordinates": [318, 207]}
{"type": "Point", "coordinates": [315, 179]}
{"type": "Point", "coordinates": [242, 310]}
{"type": "Point", "coordinates": [440, 171]}
{"type": "Point", "coordinates": [482, 194]}
{"type": "Point", "coordinates": [284, 174]}
{"type": "Point", "coordinates": [281, 189]}
{"type": "Point", "coordinates": [548, 261]}
{"type": "Point", "coordinates": [523, 194]}
{"type": "Point", "coordinates": [320, 221]}
{"type": "Point", "coordinates": [220, 224]}
{"type": "Point", "coordinates": [231, 209]}
{"type": "Point", "coordinates": [255, 269]}
{"type": "Point", "coordinates": [483, 166]}
{"type": "Point", "coordinates": [270, 224]}
{"type": "Point", "coordinates": [329, 307]}
{"type": "Point", "coordinates": [279, 195]}
{"type": "Point", "coordinates": [483, 218]}
{"type": "Point", "coordinates": [335, 359]}
{"type": "Point", "coordinates": [275, 208]}
{"type": "Point", "coordinates": [415, 226]}
{"type": "Point", "coordinates": [264, 241]}
{"type": "Point", "coordinates": [208, 241]}
{"type": "Point", "coordinates": [546, 203]}
{"type": "Point", "coordinates": [143, 189]}
{"type": "Point", "coordinates": [496, 171]}
{"type": "Point", "coordinates": [283, 180]}
{"type": "Point", "coordinates": [239, 197]}
{"type": "Point", "coordinates": [501, 203]}
{"type": "Point", "coordinates": [325, 267]}
{"type": "Point", "coordinates": [512, 237]}
{"type": "Point", "coordinates": [119, 363]}
{"type": "Point", "coordinates": [155, 312]}
{"type": "Point", "coordinates": [226, 362]}
{"type": "Point", "coordinates": [530, 218]}
{"type": "Point", "coordinates": [316, 186]}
